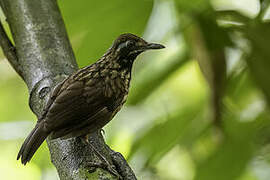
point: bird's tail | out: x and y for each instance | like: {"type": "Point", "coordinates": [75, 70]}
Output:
{"type": "Point", "coordinates": [31, 144]}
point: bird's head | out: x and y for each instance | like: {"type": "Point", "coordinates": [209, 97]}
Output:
{"type": "Point", "coordinates": [128, 46]}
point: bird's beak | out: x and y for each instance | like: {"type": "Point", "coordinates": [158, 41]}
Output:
{"type": "Point", "coordinates": [154, 46]}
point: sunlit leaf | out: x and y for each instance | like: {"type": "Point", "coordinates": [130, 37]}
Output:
{"type": "Point", "coordinates": [232, 16]}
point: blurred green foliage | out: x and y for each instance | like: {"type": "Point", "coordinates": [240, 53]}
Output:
{"type": "Point", "coordinates": [197, 110]}
{"type": "Point", "coordinates": [93, 26]}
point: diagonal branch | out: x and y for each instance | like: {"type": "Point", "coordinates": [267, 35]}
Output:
{"type": "Point", "coordinates": [9, 50]}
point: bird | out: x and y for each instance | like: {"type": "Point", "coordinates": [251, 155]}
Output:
{"type": "Point", "coordinates": [89, 98]}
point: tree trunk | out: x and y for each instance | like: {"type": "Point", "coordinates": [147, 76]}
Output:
{"type": "Point", "coordinates": [43, 57]}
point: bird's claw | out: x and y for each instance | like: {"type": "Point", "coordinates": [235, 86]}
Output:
{"type": "Point", "coordinates": [104, 166]}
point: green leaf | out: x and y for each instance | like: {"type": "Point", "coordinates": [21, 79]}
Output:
{"type": "Point", "coordinates": [154, 79]}
{"type": "Point", "coordinates": [233, 16]}
{"type": "Point", "coordinates": [162, 137]}
{"type": "Point", "coordinates": [241, 90]}
{"type": "Point", "coordinates": [192, 6]}
{"type": "Point", "coordinates": [237, 148]}
{"type": "Point", "coordinates": [259, 58]}
{"type": "Point", "coordinates": [208, 41]}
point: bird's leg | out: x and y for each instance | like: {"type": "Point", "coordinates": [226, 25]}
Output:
{"type": "Point", "coordinates": [84, 139]}
{"type": "Point", "coordinates": [105, 163]}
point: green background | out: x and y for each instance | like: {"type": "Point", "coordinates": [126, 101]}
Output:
{"type": "Point", "coordinates": [197, 110]}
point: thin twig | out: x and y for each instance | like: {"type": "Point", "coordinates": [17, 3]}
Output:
{"type": "Point", "coordinates": [9, 50]}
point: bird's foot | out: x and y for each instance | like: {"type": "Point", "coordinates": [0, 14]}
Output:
{"type": "Point", "coordinates": [105, 163]}
{"type": "Point", "coordinates": [84, 140]}
{"type": "Point", "coordinates": [107, 167]}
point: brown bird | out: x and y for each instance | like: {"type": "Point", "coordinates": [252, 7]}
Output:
{"type": "Point", "coordinates": [89, 98]}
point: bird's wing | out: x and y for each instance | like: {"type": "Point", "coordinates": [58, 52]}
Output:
{"type": "Point", "coordinates": [74, 102]}
{"type": "Point", "coordinates": [97, 121]}
{"type": "Point", "coordinates": [51, 99]}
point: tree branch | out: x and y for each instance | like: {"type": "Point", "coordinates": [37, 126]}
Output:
{"type": "Point", "coordinates": [9, 50]}
{"type": "Point", "coordinates": [45, 58]}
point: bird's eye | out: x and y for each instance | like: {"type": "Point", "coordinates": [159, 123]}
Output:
{"type": "Point", "coordinates": [125, 45]}
{"type": "Point", "coordinates": [129, 43]}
